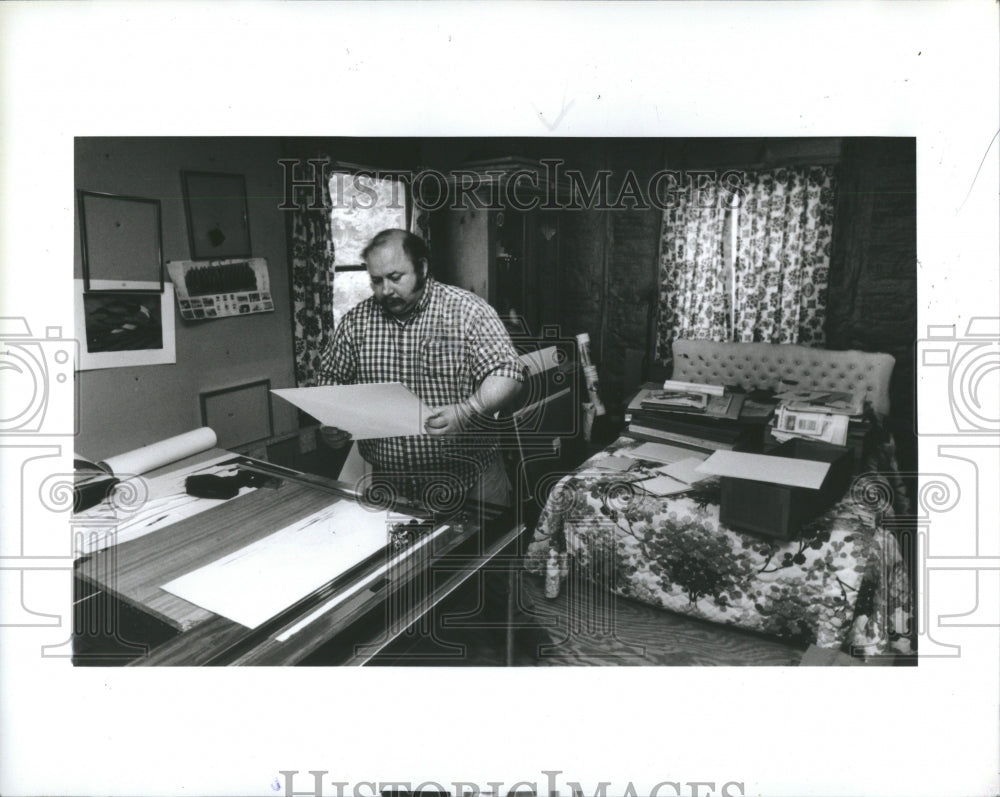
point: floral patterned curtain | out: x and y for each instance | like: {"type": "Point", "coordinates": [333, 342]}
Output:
{"type": "Point", "coordinates": [693, 294]}
{"type": "Point", "coordinates": [782, 264]}
{"type": "Point", "coordinates": [312, 284]}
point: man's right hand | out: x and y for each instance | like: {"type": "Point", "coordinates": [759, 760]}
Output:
{"type": "Point", "coordinates": [334, 437]}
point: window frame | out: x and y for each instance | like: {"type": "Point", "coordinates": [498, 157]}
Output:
{"type": "Point", "coordinates": [402, 176]}
{"type": "Point", "coordinates": [340, 167]}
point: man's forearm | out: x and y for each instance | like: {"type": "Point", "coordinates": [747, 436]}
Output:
{"type": "Point", "coordinates": [494, 394]}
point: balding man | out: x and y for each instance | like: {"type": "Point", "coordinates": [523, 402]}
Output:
{"type": "Point", "coordinates": [450, 348]}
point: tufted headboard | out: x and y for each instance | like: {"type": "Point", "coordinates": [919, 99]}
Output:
{"type": "Point", "coordinates": [764, 365]}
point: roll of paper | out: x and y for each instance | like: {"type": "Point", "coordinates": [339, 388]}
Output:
{"type": "Point", "coordinates": [156, 455]}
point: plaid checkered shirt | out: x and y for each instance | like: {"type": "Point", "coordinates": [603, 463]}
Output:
{"type": "Point", "coordinates": [442, 352]}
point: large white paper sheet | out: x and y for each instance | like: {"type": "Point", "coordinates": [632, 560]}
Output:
{"type": "Point", "coordinates": [382, 409]}
{"type": "Point", "coordinates": [253, 584]}
{"type": "Point", "coordinates": [763, 468]}
{"type": "Point", "coordinates": [357, 587]}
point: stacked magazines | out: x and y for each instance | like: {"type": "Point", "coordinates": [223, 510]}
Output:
{"type": "Point", "coordinates": [817, 415]}
{"type": "Point", "coordinates": [704, 417]}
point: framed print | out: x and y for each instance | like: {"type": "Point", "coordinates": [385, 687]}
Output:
{"type": "Point", "coordinates": [120, 242]}
{"type": "Point", "coordinates": [240, 414]}
{"type": "Point", "coordinates": [120, 328]}
{"type": "Point", "coordinates": [215, 205]}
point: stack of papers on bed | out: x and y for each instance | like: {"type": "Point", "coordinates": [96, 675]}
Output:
{"type": "Point", "coordinates": [662, 452]}
{"type": "Point", "coordinates": [675, 477]}
{"type": "Point", "coordinates": [839, 402]}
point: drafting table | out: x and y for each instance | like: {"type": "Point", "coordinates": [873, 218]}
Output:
{"type": "Point", "coordinates": [119, 589]}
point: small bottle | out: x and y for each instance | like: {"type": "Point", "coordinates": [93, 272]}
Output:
{"type": "Point", "coordinates": [553, 574]}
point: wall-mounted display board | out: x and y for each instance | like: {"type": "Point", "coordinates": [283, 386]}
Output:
{"type": "Point", "coordinates": [221, 288]}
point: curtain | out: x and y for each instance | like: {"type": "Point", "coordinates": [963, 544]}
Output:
{"type": "Point", "coordinates": [693, 286]}
{"type": "Point", "coordinates": [782, 262]}
{"type": "Point", "coordinates": [312, 284]}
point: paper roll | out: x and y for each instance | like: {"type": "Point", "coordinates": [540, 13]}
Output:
{"type": "Point", "coordinates": [156, 455]}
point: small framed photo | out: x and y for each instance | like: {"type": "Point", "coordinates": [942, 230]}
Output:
{"type": "Point", "coordinates": [120, 243]}
{"type": "Point", "coordinates": [216, 208]}
{"type": "Point", "coordinates": [240, 414]}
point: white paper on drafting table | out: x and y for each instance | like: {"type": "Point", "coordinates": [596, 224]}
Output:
{"type": "Point", "coordinates": [251, 585]}
{"type": "Point", "coordinates": [762, 468]}
{"type": "Point", "coordinates": [382, 409]}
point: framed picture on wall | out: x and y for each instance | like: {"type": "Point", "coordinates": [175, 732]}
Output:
{"type": "Point", "coordinates": [120, 243]}
{"type": "Point", "coordinates": [239, 414]}
{"type": "Point", "coordinates": [121, 328]}
{"type": "Point", "coordinates": [215, 205]}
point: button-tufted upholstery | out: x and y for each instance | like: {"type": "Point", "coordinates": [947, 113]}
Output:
{"type": "Point", "coordinates": [764, 365]}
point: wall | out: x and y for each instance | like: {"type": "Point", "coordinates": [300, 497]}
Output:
{"type": "Point", "coordinates": [873, 268]}
{"type": "Point", "coordinates": [122, 408]}
{"type": "Point", "coordinates": [609, 268]}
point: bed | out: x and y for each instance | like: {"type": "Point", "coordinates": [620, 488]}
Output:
{"type": "Point", "coordinates": [841, 585]}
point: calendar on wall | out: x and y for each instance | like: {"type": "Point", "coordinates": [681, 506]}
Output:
{"type": "Point", "coordinates": [221, 288]}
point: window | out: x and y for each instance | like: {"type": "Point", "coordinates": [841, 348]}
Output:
{"type": "Point", "coordinates": [362, 205]}
{"type": "Point", "coordinates": [752, 266]}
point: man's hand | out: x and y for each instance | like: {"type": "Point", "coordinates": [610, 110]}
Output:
{"type": "Point", "coordinates": [450, 419]}
{"type": "Point", "coordinates": [335, 438]}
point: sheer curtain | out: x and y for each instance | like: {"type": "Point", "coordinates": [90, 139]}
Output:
{"type": "Point", "coordinates": [312, 285]}
{"type": "Point", "coordinates": [782, 263]}
{"type": "Point", "coordinates": [693, 280]}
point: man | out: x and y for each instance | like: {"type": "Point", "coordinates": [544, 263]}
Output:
{"type": "Point", "coordinates": [450, 348]}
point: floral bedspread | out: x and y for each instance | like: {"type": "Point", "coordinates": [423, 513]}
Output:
{"type": "Point", "coordinates": [840, 584]}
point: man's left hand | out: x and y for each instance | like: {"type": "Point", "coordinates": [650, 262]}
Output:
{"type": "Point", "coordinates": [451, 419]}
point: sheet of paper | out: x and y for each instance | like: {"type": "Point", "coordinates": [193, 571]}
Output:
{"type": "Point", "coordinates": [353, 589]}
{"type": "Point", "coordinates": [641, 396]}
{"type": "Point", "coordinates": [612, 463]}
{"type": "Point", "coordinates": [383, 409]}
{"type": "Point", "coordinates": [686, 470]}
{"type": "Point", "coordinates": [812, 425]}
{"type": "Point", "coordinates": [712, 390]}
{"type": "Point", "coordinates": [251, 585]}
{"type": "Point", "coordinates": [660, 452]}
{"type": "Point", "coordinates": [763, 468]}
{"type": "Point", "coordinates": [662, 486]}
